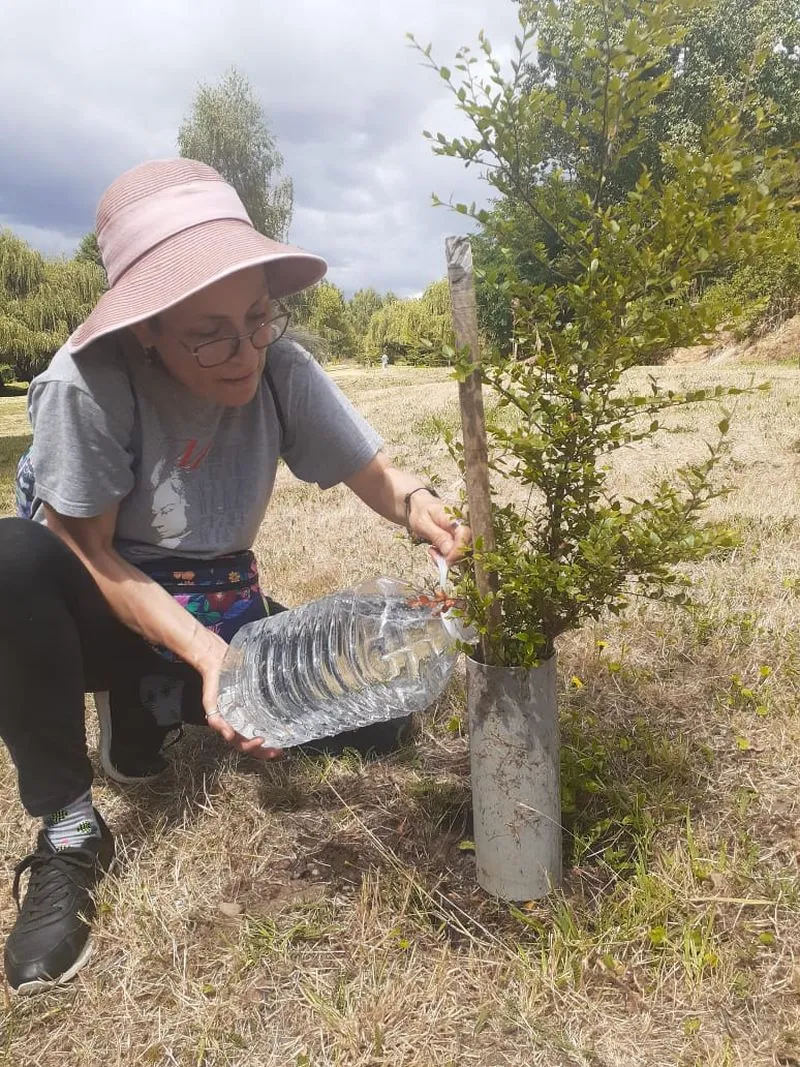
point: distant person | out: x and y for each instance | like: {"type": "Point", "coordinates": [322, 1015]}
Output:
{"type": "Point", "coordinates": [385, 360]}
{"type": "Point", "coordinates": [157, 431]}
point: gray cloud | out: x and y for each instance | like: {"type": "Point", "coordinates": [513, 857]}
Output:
{"type": "Point", "coordinates": [98, 88]}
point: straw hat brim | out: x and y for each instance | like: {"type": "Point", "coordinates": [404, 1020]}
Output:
{"type": "Point", "coordinates": [189, 261]}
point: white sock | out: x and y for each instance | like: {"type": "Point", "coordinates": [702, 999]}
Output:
{"type": "Point", "coordinates": [69, 827]}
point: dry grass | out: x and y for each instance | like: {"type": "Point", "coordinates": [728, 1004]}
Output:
{"type": "Point", "coordinates": [323, 914]}
{"type": "Point", "coordinates": [775, 343]}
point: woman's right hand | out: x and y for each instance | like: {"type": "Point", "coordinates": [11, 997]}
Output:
{"type": "Point", "coordinates": [209, 667]}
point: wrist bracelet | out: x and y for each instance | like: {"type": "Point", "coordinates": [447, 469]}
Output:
{"type": "Point", "coordinates": [407, 500]}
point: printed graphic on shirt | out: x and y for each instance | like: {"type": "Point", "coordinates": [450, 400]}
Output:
{"type": "Point", "coordinates": [171, 522]}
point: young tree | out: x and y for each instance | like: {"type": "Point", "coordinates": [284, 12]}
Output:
{"type": "Point", "coordinates": [228, 130]}
{"type": "Point", "coordinates": [615, 290]}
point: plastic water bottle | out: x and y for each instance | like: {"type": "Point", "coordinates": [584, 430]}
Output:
{"type": "Point", "coordinates": [366, 655]}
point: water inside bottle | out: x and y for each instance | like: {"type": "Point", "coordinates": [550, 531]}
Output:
{"type": "Point", "coordinates": [353, 658]}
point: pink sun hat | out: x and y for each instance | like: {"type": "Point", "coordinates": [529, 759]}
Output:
{"type": "Point", "coordinates": [169, 228]}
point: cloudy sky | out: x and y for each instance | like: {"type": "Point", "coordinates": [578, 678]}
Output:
{"type": "Point", "coordinates": [91, 88]}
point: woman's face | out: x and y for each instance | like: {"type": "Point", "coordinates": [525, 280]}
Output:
{"type": "Point", "coordinates": [229, 308]}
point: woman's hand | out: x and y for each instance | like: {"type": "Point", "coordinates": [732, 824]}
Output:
{"type": "Point", "coordinates": [148, 609]}
{"type": "Point", "coordinates": [385, 489]}
{"type": "Point", "coordinates": [209, 663]}
{"type": "Point", "coordinates": [429, 521]}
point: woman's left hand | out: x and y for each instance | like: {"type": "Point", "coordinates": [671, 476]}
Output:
{"type": "Point", "coordinates": [428, 520]}
{"type": "Point", "coordinates": [388, 491]}
{"type": "Point", "coordinates": [210, 654]}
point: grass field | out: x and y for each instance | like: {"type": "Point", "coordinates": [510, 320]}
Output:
{"type": "Point", "coordinates": [314, 914]}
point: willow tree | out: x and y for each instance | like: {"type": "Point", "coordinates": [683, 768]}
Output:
{"type": "Point", "coordinates": [41, 303]}
{"type": "Point", "coordinates": [418, 330]}
{"type": "Point", "coordinates": [362, 306]}
{"type": "Point", "coordinates": [329, 320]}
{"type": "Point", "coordinates": [88, 251]}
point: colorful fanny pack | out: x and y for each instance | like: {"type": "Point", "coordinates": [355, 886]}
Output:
{"type": "Point", "coordinates": [223, 594]}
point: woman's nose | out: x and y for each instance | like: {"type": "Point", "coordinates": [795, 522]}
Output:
{"type": "Point", "coordinates": [247, 354]}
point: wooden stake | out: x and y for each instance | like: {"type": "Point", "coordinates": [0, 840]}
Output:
{"type": "Point", "coordinates": [473, 423]}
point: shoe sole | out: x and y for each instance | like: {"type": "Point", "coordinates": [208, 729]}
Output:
{"type": "Point", "coordinates": [102, 702]}
{"type": "Point", "coordinates": [28, 989]}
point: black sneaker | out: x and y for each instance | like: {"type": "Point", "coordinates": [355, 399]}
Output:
{"type": "Point", "coordinates": [50, 940]}
{"type": "Point", "coordinates": [131, 742]}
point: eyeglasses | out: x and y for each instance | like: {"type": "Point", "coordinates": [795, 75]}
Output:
{"type": "Point", "coordinates": [215, 353]}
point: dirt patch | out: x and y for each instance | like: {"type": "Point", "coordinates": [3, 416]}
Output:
{"type": "Point", "coordinates": [778, 346]}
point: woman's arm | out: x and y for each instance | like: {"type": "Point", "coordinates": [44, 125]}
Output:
{"type": "Point", "coordinates": [147, 609]}
{"type": "Point", "coordinates": [384, 488]}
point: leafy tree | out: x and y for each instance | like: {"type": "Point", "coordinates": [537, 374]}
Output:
{"type": "Point", "coordinates": [760, 294]}
{"type": "Point", "coordinates": [746, 52]}
{"type": "Point", "coordinates": [618, 272]}
{"type": "Point", "coordinates": [327, 318]}
{"type": "Point", "coordinates": [41, 303]}
{"type": "Point", "coordinates": [362, 306]}
{"type": "Point", "coordinates": [88, 250]}
{"type": "Point", "coordinates": [228, 130]}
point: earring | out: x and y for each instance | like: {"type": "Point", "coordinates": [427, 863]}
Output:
{"type": "Point", "coordinates": [151, 354]}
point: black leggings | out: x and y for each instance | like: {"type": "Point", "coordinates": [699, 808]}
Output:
{"type": "Point", "coordinates": [58, 641]}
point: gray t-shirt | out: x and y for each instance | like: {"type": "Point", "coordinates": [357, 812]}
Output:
{"type": "Point", "coordinates": [192, 478]}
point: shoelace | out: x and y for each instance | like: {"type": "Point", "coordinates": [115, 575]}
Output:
{"type": "Point", "coordinates": [53, 875]}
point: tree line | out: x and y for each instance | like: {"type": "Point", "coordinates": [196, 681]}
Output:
{"type": "Point", "coordinates": [42, 300]}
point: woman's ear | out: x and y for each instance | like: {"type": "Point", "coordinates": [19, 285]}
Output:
{"type": "Point", "coordinates": [144, 333]}
{"type": "Point", "coordinates": [147, 332]}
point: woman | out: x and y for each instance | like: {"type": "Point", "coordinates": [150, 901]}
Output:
{"type": "Point", "coordinates": [157, 432]}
